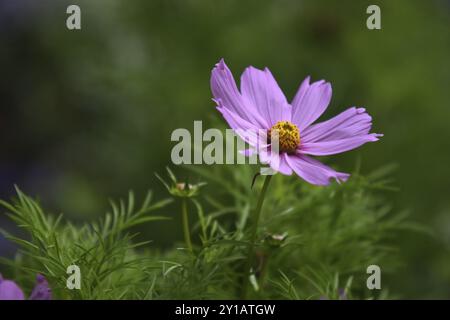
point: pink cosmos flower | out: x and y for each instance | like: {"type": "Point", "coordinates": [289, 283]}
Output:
{"type": "Point", "coordinates": [260, 104]}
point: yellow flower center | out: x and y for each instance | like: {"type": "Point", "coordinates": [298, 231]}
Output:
{"type": "Point", "coordinates": [288, 136]}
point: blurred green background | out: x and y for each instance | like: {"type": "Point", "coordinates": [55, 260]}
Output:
{"type": "Point", "coordinates": [86, 115]}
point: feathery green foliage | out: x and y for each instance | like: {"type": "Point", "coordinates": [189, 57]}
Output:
{"type": "Point", "coordinates": [313, 242]}
{"type": "Point", "coordinates": [103, 250]}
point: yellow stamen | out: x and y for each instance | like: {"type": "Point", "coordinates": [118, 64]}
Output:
{"type": "Point", "coordinates": [288, 135]}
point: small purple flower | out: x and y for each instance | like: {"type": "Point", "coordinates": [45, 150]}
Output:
{"type": "Point", "coordinates": [342, 295]}
{"type": "Point", "coordinates": [260, 105]}
{"type": "Point", "coordinates": [42, 290]}
{"type": "Point", "coordinates": [9, 290]}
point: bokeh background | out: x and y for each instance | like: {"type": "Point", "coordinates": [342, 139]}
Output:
{"type": "Point", "coordinates": [86, 115]}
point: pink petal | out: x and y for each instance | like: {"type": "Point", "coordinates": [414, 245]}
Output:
{"type": "Point", "coordinates": [276, 161]}
{"type": "Point", "coordinates": [261, 89]}
{"type": "Point", "coordinates": [286, 113]}
{"type": "Point", "coordinates": [280, 164]}
{"type": "Point", "coordinates": [301, 91]}
{"type": "Point", "coordinates": [310, 102]}
{"type": "Point", "coordinates": [351, 122]}
{"type": "Point", "coordinates": [247, 152]}
{"type": "Point", "coordinates": [265, 155]}
{"type": "Point", "coordinates": [284, 167]}
{"type": "Point", "coordinates": [314, 171]}
{"type": "Point", "coordinates": [245, 130]}
{"type": "Point", "coordinates": [224, 89]}
{"type": "Point", "coordinates": [324, 148]}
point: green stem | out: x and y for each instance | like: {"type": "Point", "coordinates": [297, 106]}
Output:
{"type": "Point", "coordinates": [187, 236]}
{"type": "Point", "coordinates": [251, 248]}
{"type": "Point", "coordinates": [263, 273]}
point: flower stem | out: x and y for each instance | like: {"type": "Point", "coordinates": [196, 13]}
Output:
{"type": "Point", "coordinates": [187, 236]}
{"type": "Point", "coordinates": [254, 230]}
{"type": "Point", "coordinates": [264, 268]}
